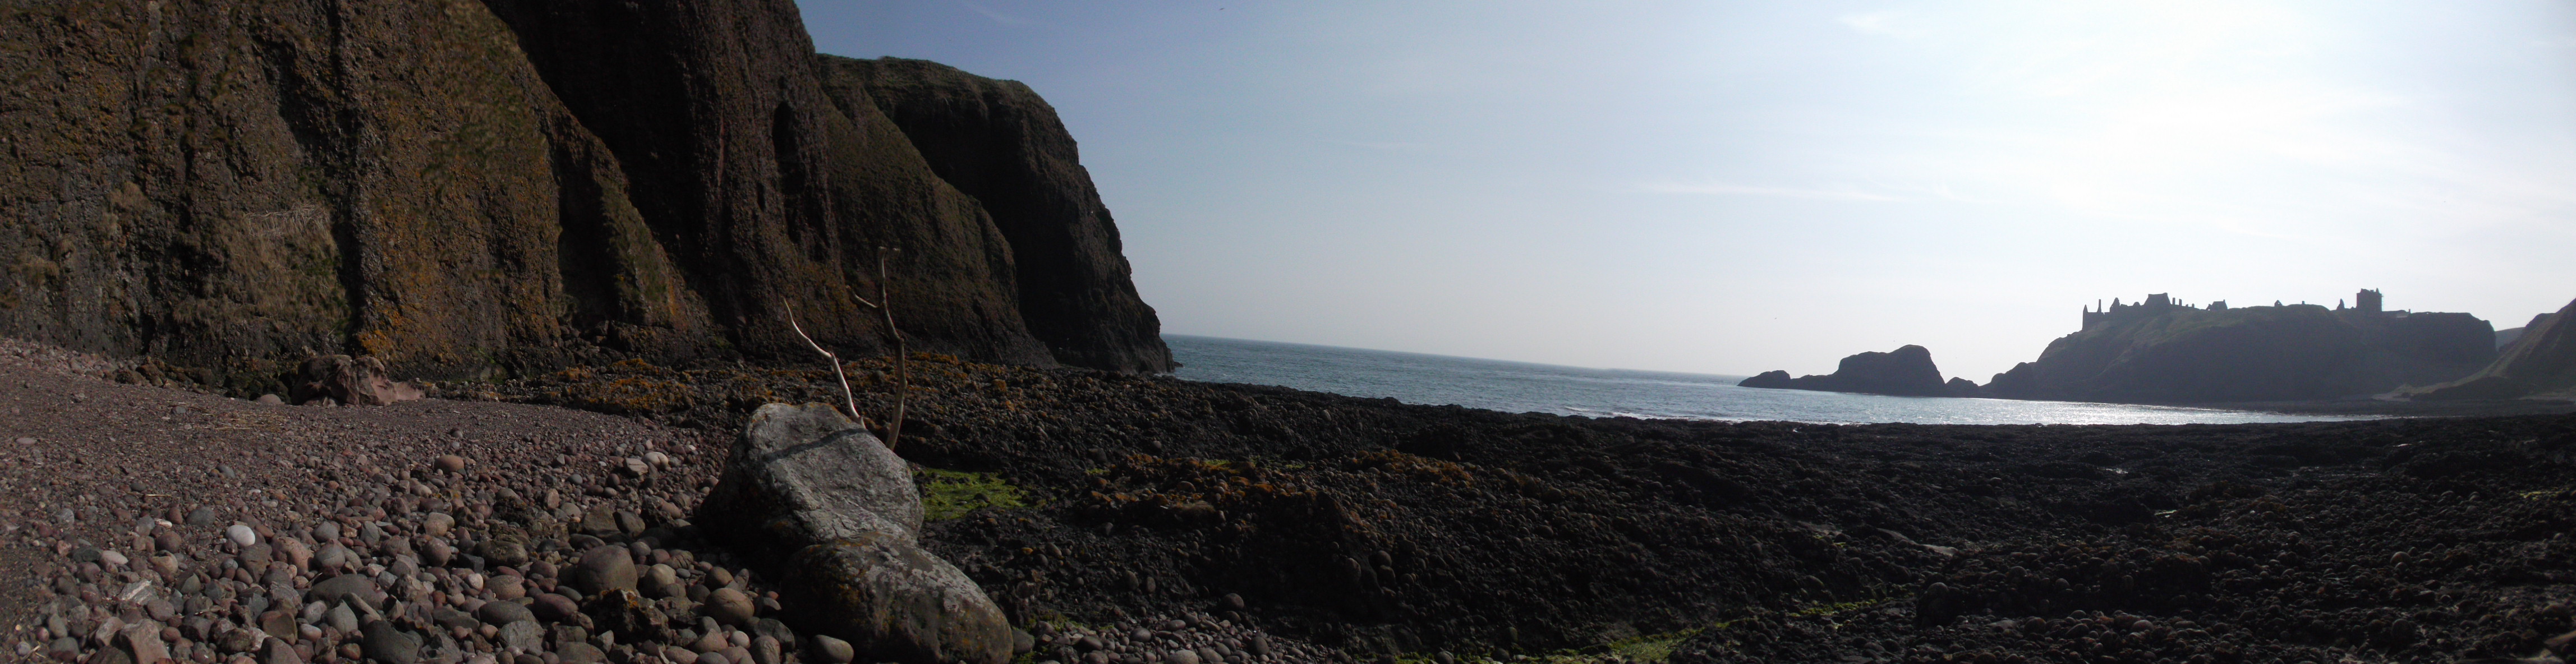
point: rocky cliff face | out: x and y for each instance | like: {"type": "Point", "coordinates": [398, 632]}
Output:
{"type": "Point", "coordinates": [2186, 355]}
{"type": "Point", "coordinates": [2541, 362]}
{"type": "Point", "coordinates": [1907, 371]}
{"type": "Point", "coordinates": [461, 187]}
{"type": "Point", "coordinates": [1001, 143]}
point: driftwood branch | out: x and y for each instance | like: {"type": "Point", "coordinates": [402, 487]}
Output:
{"type": "Point", "coordinates": [902, 373]}
{"type": "Point", "coordinates": [846, 397]}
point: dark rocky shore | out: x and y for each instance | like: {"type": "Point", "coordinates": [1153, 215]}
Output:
{"type": "Point", "coordinates": [1138, 517]}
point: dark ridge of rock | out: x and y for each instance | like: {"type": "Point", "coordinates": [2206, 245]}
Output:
{"type": "Point", "coordinates": [2279, 353]}
{"type": "Point", "coordinates": [998, 141]}
{"type": "Point", "coordinates": [2540, 363]}
{"type": "Point", "coordinates": [1962, 387]}
{"type": "Point", "coordinates": [2505, 337]}
{"type": "Point", "coordinates": [1907, 371]}
{"type": "Point", "coordinates": [469, 189]}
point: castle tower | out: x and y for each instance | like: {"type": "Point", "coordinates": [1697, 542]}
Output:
{"type": "Point", "coordinates": [2367, 300]}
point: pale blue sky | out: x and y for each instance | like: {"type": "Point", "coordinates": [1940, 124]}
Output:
{"type": "Point", "coordinates": [1738, 187]}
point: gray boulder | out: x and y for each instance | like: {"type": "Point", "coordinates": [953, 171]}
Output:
{"type": "Point", "coordinates": [836, 513]}
{"type": "Point", "coordinates": [802, 475]}
{"type": "Point", "coordinates": [891, 598]}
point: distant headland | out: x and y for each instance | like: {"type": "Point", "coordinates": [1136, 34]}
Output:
{"type": "Point", "coordinates": [2161, 350]}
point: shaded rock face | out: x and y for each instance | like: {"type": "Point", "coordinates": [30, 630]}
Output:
{"type": "Point", "coordinates": [457, 187]}
{"type": "Point", "coordinates": [2186, 355]}
{"type": "Point", "coordinates": [836, 514]}
{"type": "Point", "coordinates": [999, 142]}
{"type": "Point", "coordinates": [1906, 371]}
{"type": "Point", "coordinates": [2541, 362]}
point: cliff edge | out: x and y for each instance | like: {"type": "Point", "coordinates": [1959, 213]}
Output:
{"type": "Point", "coordinates": [468, 190]}
{"type": "Point", "coordinates": [2539, 363]}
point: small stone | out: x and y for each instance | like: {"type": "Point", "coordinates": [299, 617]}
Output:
{"type": "Point", "coordinates": [1181, 657]}
{"type": "Point", "coordinates": [295, 552]}
{"type": "Point", "coordinates": [506, 587]}
{"type": "Point", "coordinates": [602, 568]}
{"type": "Point", "coordinates": [144, 643]}
{"type": "Point", "coordinates": [385, 643]}
{"type": "Point", "coordinates": [110, 558]}
{"type": "Point", "coordinates": [1233, 602]}
{"type": "Point", "coordinates": [552, 607]}
{"type": "Point", "coordinates": [504, 613]}
{"type": "Point", "coordinates": [503, 552]}
{"type": "Point", "coordinates": [341, 618]}
{"type": "Point", "coordinates": [436, 524]}
{"type": "Point", "coordinates": [437, 552]}
{"type": "Point", "coordinates": [202, 516]}
{"type": "Point", "coordinates": [334, 557]}
{"type": "Point", "coordinates": [328, 532]}
{"type": "Point", "coordinates": [766, 650]}
{"type": "Point", "coordinates": [576, 652]}
{"type": "Point", "coordinates": [451, 463]}
{"type": "Point", "coordinates": [524, 635]}
{"type": "Point", "coordinates": [241, 535]}
{"type": "Point", "coordinates": [729, 606]}
{"type": "Point", "coordinates": [661, 581]}
{"type": "Point", "coordinates": [279, 652]}
{"type": "Point", "coordinates": [630, 523]}
{"type": "Point", "coordinates": [833, 651]}
{"type": "Point", "coordinates": [271, 400]}
{"type": "Point", "coordinates": [346, 588]}
{"type": "Point", "coordinates": [279, 624]}
{"type": "Point", "coordinates": [637, 467]}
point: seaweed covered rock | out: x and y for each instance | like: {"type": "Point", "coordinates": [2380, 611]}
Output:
{"type": "Point", "coordinates": [824, 501]}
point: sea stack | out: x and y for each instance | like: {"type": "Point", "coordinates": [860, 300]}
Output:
{"type": "Point", "coordinates": [1906, 371]}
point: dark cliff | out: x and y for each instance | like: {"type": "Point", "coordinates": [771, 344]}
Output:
{"type": "Point", "coordinates": [2541, 362]}
{"type": "Point", "coordinates": [1907, 371]}
{"type": "Point", "coordinates": [1001, 143]}
{"type": "Point", "coordinates": [2188, 355]}
{"type": "Point", "coordinates": [466, 188]}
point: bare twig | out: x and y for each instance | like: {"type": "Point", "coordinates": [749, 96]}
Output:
{"type": "Point", "coordinates": [902, 374]}
{"type": "Point", "coordinates": [834, 359]}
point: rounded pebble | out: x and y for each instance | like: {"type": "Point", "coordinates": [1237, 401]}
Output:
{"type": "Point", "coordinates": [241, 535]}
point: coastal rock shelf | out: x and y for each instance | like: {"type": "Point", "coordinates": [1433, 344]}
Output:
{"type": "Point", "coordinates": [1129, 519]}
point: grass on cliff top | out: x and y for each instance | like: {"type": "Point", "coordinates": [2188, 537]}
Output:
{"type": "Point", "coordinates": [949, 494]}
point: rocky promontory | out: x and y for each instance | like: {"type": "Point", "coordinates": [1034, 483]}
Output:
{"type": "Point", "coordinates": [2540, 363]}
{"type": "Point", "coordinates": [1906, 371]}
{"type": "Point", "coordinates": [2164, 353]}
{"type": "Point", "coordinates": [469, 190]}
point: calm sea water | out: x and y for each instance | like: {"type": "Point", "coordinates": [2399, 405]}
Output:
{"type": "Point", "coordinates": [1523, 387]}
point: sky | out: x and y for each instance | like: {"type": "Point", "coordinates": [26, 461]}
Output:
{"type": "Point", "coordinates": [1735, 187]}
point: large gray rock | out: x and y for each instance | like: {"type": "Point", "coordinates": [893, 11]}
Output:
{"type": "Point", "coordinates": [837, 514]}
{"type": "Point", "coordinates": [891, 598]}
{"type": "Point", "coordinates": [802, 475]}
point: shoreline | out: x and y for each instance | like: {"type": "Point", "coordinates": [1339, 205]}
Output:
{"type": "Point", "coordinates": [1368, 529]}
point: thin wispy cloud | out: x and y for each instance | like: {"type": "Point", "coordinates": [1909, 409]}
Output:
{"type": "Point", "coordinates": [1875, 23]}
{"type": "Point", "coordinates": [998, 17]}
{"type": "Point", "coordinates": [1725, 189]}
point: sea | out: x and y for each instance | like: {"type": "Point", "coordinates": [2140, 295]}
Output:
{"type": "Point", "coordinates": [1520, 387]}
